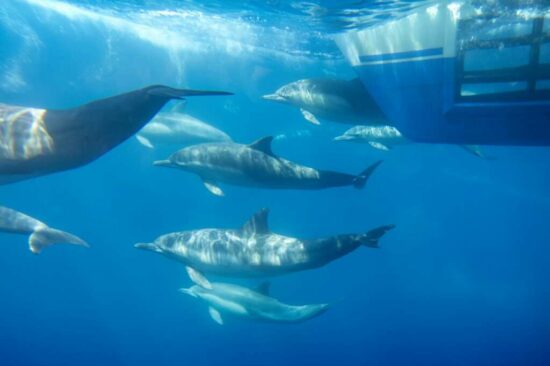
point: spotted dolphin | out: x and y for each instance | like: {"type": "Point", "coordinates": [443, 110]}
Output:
{"type": "Point", "coordinates": [35, 141]}
{"type": "Point", "coordinates": [41, 235]}
{"type": "Point", "coordinates": [343, 101]}
{"type": "Point", "coordinates": [256, 251]}
{"type": "Point", "coordinates": [244, 303]}
{"type": "Point", "coordinates": [255, 165]}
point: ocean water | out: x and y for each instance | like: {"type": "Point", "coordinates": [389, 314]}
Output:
{"type": "Point", "coordinates": [462, 280]}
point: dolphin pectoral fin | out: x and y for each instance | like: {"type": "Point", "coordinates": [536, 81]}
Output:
{"type": "Point", "coordinates": [187, 291]}
{"type": "Point", "coordinates": [198, 278]}
{"type": "Point", "coordinates": [371, 238]}
{"type": "Point", "coordinates": [310, 117]}
{"type": "Point", "coordinates": [46, 236]}
{"type": "Point", "coordinates": [213, 188]}
{"type": "Point", "coordinates": [215, 315]}
{"type": "Point", "coordinates": [378, 146]}
{"type": "Point", "coordinates": [145, 141]}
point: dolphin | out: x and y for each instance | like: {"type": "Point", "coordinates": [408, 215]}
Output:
{"type": "Point", "coordinates": [255, 165]}
{"type": "Point", "coordinates": [238, 301]}
{"type": "Point", "coordinates": [343, 101]}
{"type": "Point", "coordinates": [255, 251]}
{"type": "Point", "coordinates": [41, 235]}
{"type": "Point", "coordinates": [178, 128]}
{"type": "Point", "coordinates": [35, 141]}
{"type": "Point", "coordinates": [386, 137]}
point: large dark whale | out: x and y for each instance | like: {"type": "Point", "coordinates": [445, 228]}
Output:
{"type": "Point", "coordinates": [255, 165]}
{"type": "Point", "coordinates": [255, 251]}
{"type": "Point", "coordinates": [37, 141]}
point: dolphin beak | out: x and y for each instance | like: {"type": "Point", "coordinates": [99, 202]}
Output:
{"type": "Point", "coordinates": [273, 97]}
{"type": "Point", "coordinates": [165, 163]}
{"type": "Point", "coordinates": [148, 246]}
{"type": "Point", "coordinates": [342, 138]}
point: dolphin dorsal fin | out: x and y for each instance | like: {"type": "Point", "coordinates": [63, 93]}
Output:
{"type": "Point", "coordinates": [263, 288]}
{"type": "Point", "coordinates": [198, 278]}
{"type": "Point", "coordinates": [257, 224]}
{"type": "Point", "coordinates": [263, 145]}
{"type": "Point", "coordinates": [179, 106]}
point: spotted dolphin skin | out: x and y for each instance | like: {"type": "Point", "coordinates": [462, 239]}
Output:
{"type": "Point", "coordinates": [255, 165]}
{"type": "Point", "coordinates": [41, 235]}
{"type": "Point", "coordinates": [343, 101]}
{"type": "Point", "coordinates": [241, 302]}
{"type": "Point", "coordinates": [255, 251]}
{"type": "Point", "coordinates": [36, 141]}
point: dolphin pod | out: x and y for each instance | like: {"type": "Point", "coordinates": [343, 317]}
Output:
{"type": "Point", "coordinates": [256, 251]}
{"type": "Point", "coordinates": [342, 101]}
{"type": "Point", "coordinates": [238, 301]}
{"type": "Point", "coordinates": [41, 235]}
{"type": "Point", "coordinates": [34, 141]}
{"type": "Point", "coordinates": [256, 165]}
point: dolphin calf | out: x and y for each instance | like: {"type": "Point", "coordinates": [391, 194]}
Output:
{"type": "Point", "coordinates": [238, 301]}
{"type": "Point", "coordinates": [41, 235]}
{"type": "Point", "coordinates": [255, 165]}
{"type": "Point", "coordinates": [255, 251]}
{"type": "Point", "coordinates": [178, 128]}
{"type": "Point", "coordinates": [36, 141]}
{"type": "Point", "coordinates": [343, 101]}
{"type": "Point", "coordinates": [386, 137]}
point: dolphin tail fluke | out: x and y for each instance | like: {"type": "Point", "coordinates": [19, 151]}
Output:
{"type": "Point", "coordinates": [371, 238]}
{"type": "Point", "coordinates": [360, 180]}
{"type": "Point", "coordinates": [172, 93]}
{"type": "Point", "coordinates": [46, 236]}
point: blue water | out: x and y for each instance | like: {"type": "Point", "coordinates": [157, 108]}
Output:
{"type": "Point", "coordinates": [462, 280]}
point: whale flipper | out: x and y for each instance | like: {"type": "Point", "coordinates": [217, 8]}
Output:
{"type": "Point", "coordinates": [215, 315]}
{"type": "Point", "coordinates": [378, 146]}
{"type": "Point", "coordinates": [310, 117]}
{"type": "Point", "coordinates": [213, 188]}
{"type": "Point", "coordinates": [360, 180]}
{"type": "Point", "coordinates": [44, 237]}
{"type": "Point", "coordinates": [145, 141]}
{"type": "Point", "coordinates": [257, 224]}
{"type": "Point", "coordinates": [371, 238]}
{"type": "Point", "coordinates": [198, 278]}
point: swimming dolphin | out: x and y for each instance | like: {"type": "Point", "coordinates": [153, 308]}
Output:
{"type": "Point", "coordinates": [255, 165]}
{"type": "Point", "coordinates": [386, 137]}
{"type": "Point", "coordinates": [35, 141]}
{"type": "Point", "coordinates": [228, 299]}
{"type": "Point", "coordinates": [178, 128]}
{"type": "Point", "coordinates": [255, 251]}
{"type": "Point", "coordinates": [343, 101]}
{"type": "Point", "coordinates": [41, 235]}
